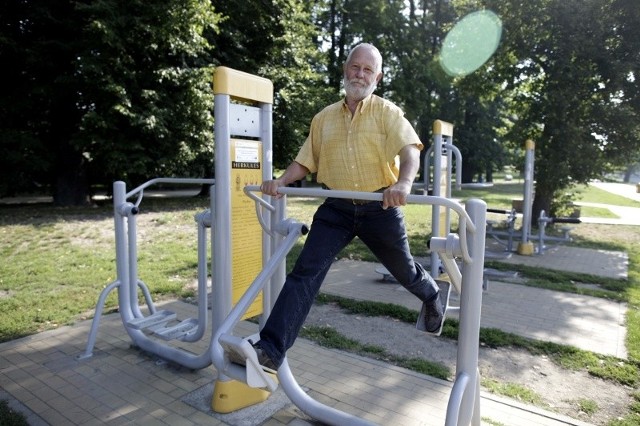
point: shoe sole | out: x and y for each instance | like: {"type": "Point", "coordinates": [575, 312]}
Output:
{"type": "Point", "coordinates": [443, 296]}
{"type": "Point", "coordinates": [256, 374]}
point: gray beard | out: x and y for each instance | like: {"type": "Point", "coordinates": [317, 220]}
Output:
{"type": "Point", "coordinates": [357, 92]}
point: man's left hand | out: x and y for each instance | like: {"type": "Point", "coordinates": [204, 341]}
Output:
{"type": "Point", "coordinates": [396, 195]}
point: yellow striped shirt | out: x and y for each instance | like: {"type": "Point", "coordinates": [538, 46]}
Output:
{"type": "Point", "coordinates": [359, 154]}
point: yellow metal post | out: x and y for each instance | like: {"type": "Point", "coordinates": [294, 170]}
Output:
{"type": "Point", "coordinates": [242, 129]}
{"type": "Point", "coordinates": [442, 134]}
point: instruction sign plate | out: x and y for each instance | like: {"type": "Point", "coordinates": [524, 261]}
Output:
{"type": "Point", "coordinates": [246, 232]}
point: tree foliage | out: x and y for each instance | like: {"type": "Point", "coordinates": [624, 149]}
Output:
{"type": "Point", "coordinates": [145, 82]}
{"type": "Point", "coordinates": [113, 89]}
{"type": "Point", "coordinates": [570, 67]}
{"type": "Point", "coordinates": [37, 108]}
{"type": "Point", "coordinates": [281, 46]}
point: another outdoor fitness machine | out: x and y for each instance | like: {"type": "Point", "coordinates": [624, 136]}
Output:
{"type": "Point", "coordinates": [525, 246]}
{"type": "Point", "coordinates": [442, 150]}
{"type": "Point", "coordinates": [248, 272]}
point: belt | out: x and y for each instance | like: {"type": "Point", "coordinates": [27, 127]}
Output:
{"type": "Point", "coordinates": [355, 201]}
{"type": "Point", "coordinates": [361, 202]}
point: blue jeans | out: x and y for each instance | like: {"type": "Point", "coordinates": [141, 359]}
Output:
{"type": "Point", "coordinates": [336, 223]}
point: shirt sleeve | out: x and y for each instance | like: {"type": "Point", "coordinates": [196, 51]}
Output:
{"type": "Point", "coordinates": [400, 133]}
{"type": "Point", "coordinates": [307, 156]}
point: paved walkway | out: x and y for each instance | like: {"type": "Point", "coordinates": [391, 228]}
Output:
{"type": "Point", "coordinates": [121, 386]}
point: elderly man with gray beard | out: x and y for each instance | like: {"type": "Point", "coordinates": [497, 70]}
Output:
{"type": "Point", "coordinates": [362, 143]}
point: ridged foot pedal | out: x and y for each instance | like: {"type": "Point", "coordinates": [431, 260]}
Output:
{"type": "Point", "coordinates": [177, 331]}
{"type": "Point", "coordinates": [257, 375]}
{"type": "Point", "coordinates": [153, 320]}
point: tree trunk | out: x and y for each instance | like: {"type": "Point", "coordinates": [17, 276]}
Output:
{"type": "Point", "coordinates": [541, 201]}
{"type": "Point", "coordinates": [629, 171]}
{"type": "Point", "coordinates": [489, 174]}
{"type": "Point", "coordinates": [71, 186]}
{"type": "Point", "coordinates": [468, 171]}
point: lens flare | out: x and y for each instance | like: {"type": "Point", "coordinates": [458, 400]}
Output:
{"type": "Point", "coordinates": [470, 43]}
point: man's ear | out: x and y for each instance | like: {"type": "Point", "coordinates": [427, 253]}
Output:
{"type": "Point", "coordinates": [378, 77]}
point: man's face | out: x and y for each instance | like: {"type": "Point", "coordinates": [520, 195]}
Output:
{"type": "Point", "coordinates": [361, 75]}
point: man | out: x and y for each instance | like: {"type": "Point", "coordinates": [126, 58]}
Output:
{"type": "Point", "coordinates": [352, 145]}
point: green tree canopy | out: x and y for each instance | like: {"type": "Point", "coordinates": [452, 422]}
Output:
{"type": "Point", "coordinates": [281, 45]}
{"type": "Point", "coordinates": [113, 90]}
{"type": "Point", "coordinates": [572, 67]}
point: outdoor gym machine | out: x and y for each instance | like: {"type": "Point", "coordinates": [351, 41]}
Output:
{"type": "Point", "coordinates": [464, 402]}
{"type": "Point", "coordinates": [153, 331]}
{"type": "Point", "coordinates": [248, 271]}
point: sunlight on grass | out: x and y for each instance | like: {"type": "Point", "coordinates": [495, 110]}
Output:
{"type": "Point", "coordinates": [498, 196]}
{"type": "Point", "coordinates": [590, 211]}
{"type": "Point", "coordinates": [592, 194]}
{"type": "Point", "coordinates": [56, 262]}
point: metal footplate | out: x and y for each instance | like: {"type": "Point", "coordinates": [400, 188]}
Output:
{"type": "Point", "coordinates": [445, 292]}
{"type": "Point", "coordinates": [177, 331]}
{"type": "Point", "coordinates": [257, 375]}
{"type": "Point", "coordinates": [158, 319]}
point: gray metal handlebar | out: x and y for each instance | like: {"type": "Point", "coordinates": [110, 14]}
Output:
{"type": "Point", "coordinates": [465, 221]}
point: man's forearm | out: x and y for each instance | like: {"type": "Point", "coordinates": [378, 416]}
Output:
{"type": "Point", "coordinates": [294, 172]}
{"type": "Point", "coordinates": [409, 164]}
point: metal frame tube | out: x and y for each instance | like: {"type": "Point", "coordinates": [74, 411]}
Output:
{"type": "Point", "coordinates": [528, 190]}
{"type": "Point", "coordinates": [464, 403]}
{"type": "Point", "coordinates": [245, 301]}
{"type": "Point", "coordinates": [435, 210]}
{"type": "Point", "coordinates": [315, 409]}
{"type": "Point", "coordinates": [469, 332]}
{"type": "Point", "coordinates": [132, 240]}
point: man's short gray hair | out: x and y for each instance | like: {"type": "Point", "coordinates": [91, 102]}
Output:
{"type": "Point", "coordinates": [373, 50]}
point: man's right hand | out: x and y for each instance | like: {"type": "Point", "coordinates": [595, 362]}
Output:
{"type": "Point", "coordinates": [270, 187]}
{"type": "Point", "coordinates": [294, 172]}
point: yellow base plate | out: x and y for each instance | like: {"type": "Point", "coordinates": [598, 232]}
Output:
{"type": "Point", "coordinates": [233, 395]}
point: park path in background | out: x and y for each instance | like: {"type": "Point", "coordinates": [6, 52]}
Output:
{"type": "Point", "coordinates": [626, 215]}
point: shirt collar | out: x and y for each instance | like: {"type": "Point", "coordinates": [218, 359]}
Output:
{"type": "Point", "coordinates": [363, 104]}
